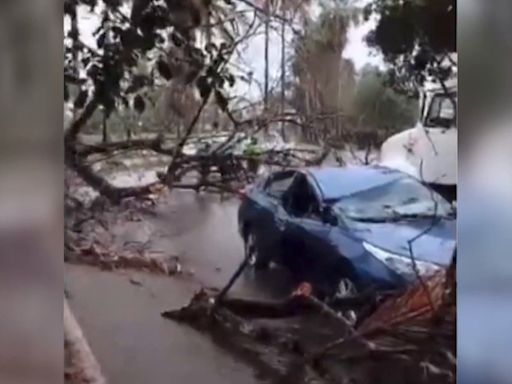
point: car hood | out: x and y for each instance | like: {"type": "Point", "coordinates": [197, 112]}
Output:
{"type": "Point", "coordinates": [435, 244]}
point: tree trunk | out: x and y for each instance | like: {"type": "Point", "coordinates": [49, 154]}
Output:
{"type": "Point", "coordinates": [267, 37]}
{"type": "Point", "coordinates": [283, 76]}
{"type": "Point", "coordinates": [104, 131]}
{"type": "Point", "coordinates": [76, 59]}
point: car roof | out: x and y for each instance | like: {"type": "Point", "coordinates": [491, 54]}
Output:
{"type": "Point", "coordinates": [337, 182]}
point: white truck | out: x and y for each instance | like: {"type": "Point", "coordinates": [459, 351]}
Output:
{"type": "Point", "coordinates": [428, 151]}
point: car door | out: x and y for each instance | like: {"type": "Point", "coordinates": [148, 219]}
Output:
{"type": "Point", "coordinates": [306, 240]}
{"type": "Point", "coordinates": [267, 226]}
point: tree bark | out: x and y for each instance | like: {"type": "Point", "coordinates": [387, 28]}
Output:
{"type": "Point", "coordinates": [77, 125]}
{"type": "Point", "coordinates": [171, 169]}
{"type": "Point", "coordinates": [104, 128]}
{"type": "Point", "coordinates": [267, 37]}
{"type": "Point", "coordinates": [283, 76]}
{"type": "Point", "coordinates": [138, 8]}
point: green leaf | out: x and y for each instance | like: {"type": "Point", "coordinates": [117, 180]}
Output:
{"type": "Point", "coordinates": [125, 102]}
{"type": "Point", "coordinates": [109, 103]}
{"type": "Point", "coordinates": [100, 41]}
{"type": "Point", "coordinates": [231, 79]}
{"type": "Point", "coordinates": [139, 104]}
{"type": "Point", "coordinates": [130, 38]}
{"type": "Point", "coordinates": [138, 81]}
{"type": "Point", "coordinates": [177, 39]}
{"type": "Point", "coordinates": [210, 48]}
{"type": "Point", "coordinates": [81, 99]}
{"type": "Point", "coordinates": [85, 61]}
{"type": "Point", "coordinates": [164, 69]}
{"type": "Point", "coordinates": [221, 100]}
{"type": "Point", "coordinates": [204, 87]}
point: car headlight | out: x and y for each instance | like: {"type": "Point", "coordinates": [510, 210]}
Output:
{"type": "Point", "coordinates": [402, 264]}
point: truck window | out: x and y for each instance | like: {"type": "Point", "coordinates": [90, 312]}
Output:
{"type": "Point", "coordinates": [442, 111]}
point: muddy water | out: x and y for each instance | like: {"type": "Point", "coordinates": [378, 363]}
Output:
{"type": "Point", "coordinates": [133, 343]}
{"type": "Point", "coordinates": [204, 232]}
{"type": "Point", "coordinates": [120, 312]}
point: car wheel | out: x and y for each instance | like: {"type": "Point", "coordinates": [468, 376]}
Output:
{"type": "Point", "coordinates": [252, 252]}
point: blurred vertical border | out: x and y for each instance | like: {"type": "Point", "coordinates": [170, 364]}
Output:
{"type": "Point", "coordinates": [484, 300]}
{"type": "Point", "coordinates": [31, 185]}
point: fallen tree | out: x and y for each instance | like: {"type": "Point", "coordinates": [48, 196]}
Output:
{"type": "Point", "coordinates": [302, 340]}
{"type": "Point", "coordinates": [112, 78]}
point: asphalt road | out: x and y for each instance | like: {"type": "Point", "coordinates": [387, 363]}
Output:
{"type": "Point", "coordinates": [120, 312]}
{"type": "Point", "coordinates": [121, 320]}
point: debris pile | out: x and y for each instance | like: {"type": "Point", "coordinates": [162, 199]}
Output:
{"type": "Point", "coordinates": [302, 340]}
{"type": "Point", "coordinates": [91, 236]}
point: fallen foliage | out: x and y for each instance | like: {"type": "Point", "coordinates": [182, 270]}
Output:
{"type": "Point", "coordinates": [90, 239]}
{"type": "Point", "coordinates": [302, 340]}
{"type": "Point", "coordinates": [415, 305]}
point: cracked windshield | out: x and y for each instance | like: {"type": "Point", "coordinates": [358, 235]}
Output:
{"type": "Point", "coordinates": [399, 199]}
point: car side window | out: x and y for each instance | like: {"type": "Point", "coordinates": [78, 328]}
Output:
{"type": "Point", "coordinates": [300, 200]}
{"type": "Point", "coordinates": [277, 184]}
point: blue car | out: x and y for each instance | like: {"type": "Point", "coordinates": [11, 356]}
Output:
{"type": "Point", "coordinates": [345, 230]}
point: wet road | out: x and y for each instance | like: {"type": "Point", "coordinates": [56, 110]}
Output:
{"type": "Point", "coordinates": [133, 343]}
{"type": "Point", "coordinates": [204, 232]}
{"type": "Point", "coordinates": [121, 320]}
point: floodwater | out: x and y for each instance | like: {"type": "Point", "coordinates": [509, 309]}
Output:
{"type": "Point", "coordinates": [120, 312]}
{"type": "Point", "coordinates": [133, 343]}
{"type": "Point", "coordinates": [204, 232]}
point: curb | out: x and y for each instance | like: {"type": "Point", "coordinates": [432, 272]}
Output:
{"type": "Point", "coordinates": [84, 360]}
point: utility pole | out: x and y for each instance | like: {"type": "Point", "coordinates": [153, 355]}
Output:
{"type": "Point", "coordinates": [267, 37]}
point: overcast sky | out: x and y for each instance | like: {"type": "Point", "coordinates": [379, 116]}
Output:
{"type": "Point", "coordinates": [253, 58]}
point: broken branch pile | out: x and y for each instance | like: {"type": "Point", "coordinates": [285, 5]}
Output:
{"type": "Point", "coordinates": [302, 340]}
{"type": "Point", "coordinates": [90, 239]}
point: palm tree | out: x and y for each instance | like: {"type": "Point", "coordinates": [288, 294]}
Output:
{"type": "Point", "coordinates": [325, 79]}
{"type": "Point", "coordinates": [289, 9]}
{"type": "Point", "coordinates": [267, 37]}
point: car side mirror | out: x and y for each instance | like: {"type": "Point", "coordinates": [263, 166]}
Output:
{"type": "Point", "coordinates": [328, 217]}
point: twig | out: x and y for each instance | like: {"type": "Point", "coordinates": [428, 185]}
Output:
{"type": "Point", "coordinates": [435, 220]}
{"type": "Point", "coordinates": [352, 336]}
{"type": "Point", "coordinates": [376, 351]}
{"type": "Point", "coordinates": [232, 280]}
{"type": "Point", "coordinates": [171, 169]}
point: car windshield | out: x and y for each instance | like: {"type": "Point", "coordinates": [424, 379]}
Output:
{"type": "Point", "coordinates": [442, 111]}
{"type": "Point", "coordinates": [399, 199]}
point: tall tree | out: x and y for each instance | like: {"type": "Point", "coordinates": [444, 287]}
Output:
{"type": "Point", "coordinates": [289, 9]}
{"type": "Point", "coordinates": [325, 80]}
{"type": "Point", "coordinates": [415, 37]}
{"type": "Point", "coordinates": [377, 106]}
{"type": "Point", "coordinates": [267, 42]}
{"type": "Point", "coordinates": [120, 73]}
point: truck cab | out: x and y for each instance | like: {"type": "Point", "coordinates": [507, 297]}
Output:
{"type": "Point", "coordinates": [428, 151]}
